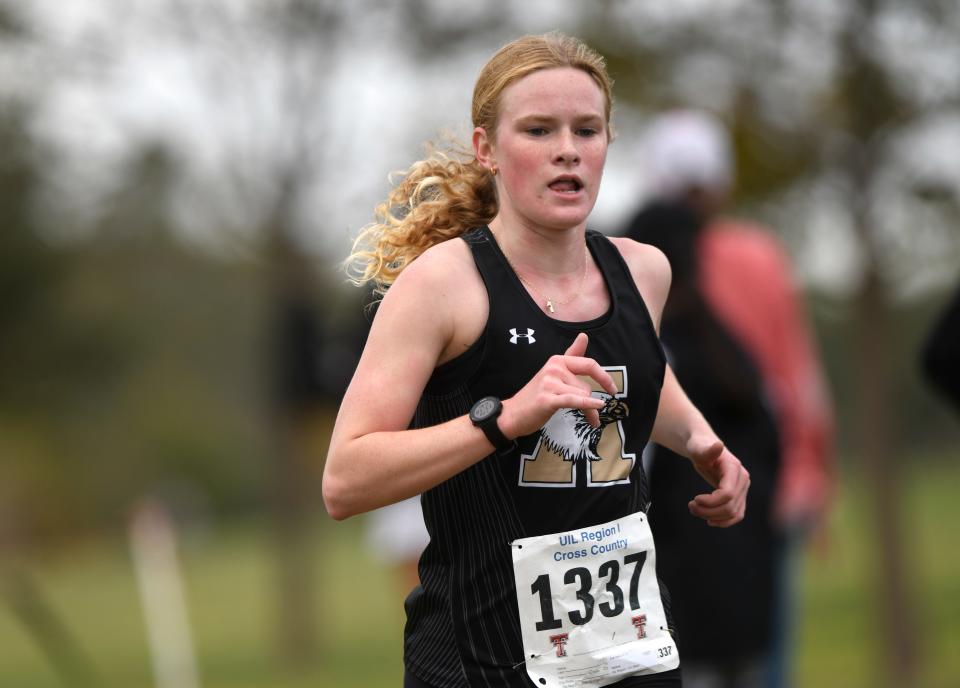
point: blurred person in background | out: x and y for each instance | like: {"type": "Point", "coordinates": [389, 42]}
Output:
{"type": "Point", "coordinates": [397, 537]}
{"type": "Point", "coordinates": [940, 356]}
{"type": "Point", "coordinates": [512, 376]}
{"type": "Point", "coordinates": [736, 334]}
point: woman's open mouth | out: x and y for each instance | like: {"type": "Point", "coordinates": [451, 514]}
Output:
{"type": "Point", "coordinates": [566, 185]}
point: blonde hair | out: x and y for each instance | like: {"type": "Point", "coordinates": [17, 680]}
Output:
{"type": "Point", "coordinates": [449, 192]}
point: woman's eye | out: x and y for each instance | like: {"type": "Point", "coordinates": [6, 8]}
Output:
{"type": "Point", "coordinates": [537, 131]}
{"type": "Point", "coordinates": [586, 131]}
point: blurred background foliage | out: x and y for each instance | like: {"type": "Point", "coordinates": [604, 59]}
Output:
{"type": "Point", "coordinates": [178, 181]}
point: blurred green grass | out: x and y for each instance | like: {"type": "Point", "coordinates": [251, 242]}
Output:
{"type": "Point", "coordinates": [842, 627]}
{"type": "Point", "coordinates": [230, 585]}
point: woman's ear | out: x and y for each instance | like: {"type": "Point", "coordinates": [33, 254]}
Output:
{"type": "Point", "coordinates": [483, 148]}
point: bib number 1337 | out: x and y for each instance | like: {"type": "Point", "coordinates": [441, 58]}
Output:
{"type": "Point", "coordinates": [589, 602]}
{"type": "Point", "coordinates": [608, 573]}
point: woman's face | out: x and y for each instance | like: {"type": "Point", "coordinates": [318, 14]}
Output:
{"type": "Point", "coordinates": [550, 147]}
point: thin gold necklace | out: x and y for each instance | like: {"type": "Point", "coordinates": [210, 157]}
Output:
{"type": "Point", "coordinates": [552, 303]}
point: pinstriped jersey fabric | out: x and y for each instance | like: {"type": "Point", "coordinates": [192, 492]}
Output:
{"type": "Point", "coordinates": [462, 621]}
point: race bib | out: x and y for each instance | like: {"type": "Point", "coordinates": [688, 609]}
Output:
{"type": "Point", "coordinates": [590, 610]}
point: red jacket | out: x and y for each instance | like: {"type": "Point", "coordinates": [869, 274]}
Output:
{"type": "Point", "coordinates": [745, 276]}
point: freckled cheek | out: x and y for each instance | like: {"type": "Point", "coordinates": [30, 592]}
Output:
{"type": "Point", "coordinates": [594, 161]}
{"type": "Point", "coordinates": [526, 159]}
{"type": "Point", "coordinates": [595, 157]}
{"type": "Point", "coordinates": [522, 170]}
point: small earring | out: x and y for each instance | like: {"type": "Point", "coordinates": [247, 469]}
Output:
{"type": "Point", "coordinates": [494, 169]}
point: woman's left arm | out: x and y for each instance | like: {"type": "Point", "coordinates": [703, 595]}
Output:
{"type": "Point", "coordinates": [682, 429]}
{"type": "Point", "coordinates": [679, 426]}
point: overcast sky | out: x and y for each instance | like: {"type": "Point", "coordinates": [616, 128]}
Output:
{"type": "Point", "coordinates": [377, 102]}
{"type": "Point", "coordinates": [379, 107]}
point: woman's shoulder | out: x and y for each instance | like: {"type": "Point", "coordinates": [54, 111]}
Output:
{"type": "Point", "coordinates": [643, 258]}
{"type": "Point", "coordinates": [437, 265]}
{"type": "Point", "coordinates": [440, 265]}
{"type": "Point", "coordinates": [650, 270]}
{"type": "Point", "coordinates": [441, 290]}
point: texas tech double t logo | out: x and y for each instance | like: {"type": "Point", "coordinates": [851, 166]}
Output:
{"type": "Point", "coordinates": [568, 441]}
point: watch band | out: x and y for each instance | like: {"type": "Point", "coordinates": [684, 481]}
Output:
{"type": "Point", "coordinates": [496, 437]}
{"type": "Point", "coordinates": [484, 415]}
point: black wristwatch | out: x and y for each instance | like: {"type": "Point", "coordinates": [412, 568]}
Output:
{"type": "Point", "coordinates": [484, 415]}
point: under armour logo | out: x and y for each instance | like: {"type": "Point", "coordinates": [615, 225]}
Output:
{"type": "Point", "coordinates": [528, 336]}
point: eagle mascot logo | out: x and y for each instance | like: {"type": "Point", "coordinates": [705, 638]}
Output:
{"type": "Point", "coordinates": [570, 436]}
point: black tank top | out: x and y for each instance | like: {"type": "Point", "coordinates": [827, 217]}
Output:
{"type": "Point", "coordinates": [462, 621]}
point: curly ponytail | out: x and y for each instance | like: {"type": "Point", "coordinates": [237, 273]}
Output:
{"type": "Point", "coordinates": [436, 199]}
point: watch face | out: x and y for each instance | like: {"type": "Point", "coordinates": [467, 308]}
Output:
{"type": "Point", "coordinates": [484, 408]}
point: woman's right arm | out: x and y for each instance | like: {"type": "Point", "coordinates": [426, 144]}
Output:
{"type": "Point", "coordinates": [374, 459]}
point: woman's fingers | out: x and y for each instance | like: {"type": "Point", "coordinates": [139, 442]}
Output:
{"type": "Point", "coordinates": [578, 364]}
{"type": "Point", "coordinates": [709, 453]}
{"type": "Point", "coordinates": [733, 485]}
{"type": "Point", "coordinates": [726, 505]}
{"type": "Point", "coordinates": [576, 393]}
{"type": "Point", "coordinates": [714, 506]}
{"type": "Point", "coordinates": [589, 405]}
{"type": "Point", "coordinates": [723, 515]}
{"type": "Point", "coordinates": [592, 369]}
{"type": "Point", "coordinates": [565, 381]}
{"type": "Point", "coordinates": [579, 345]}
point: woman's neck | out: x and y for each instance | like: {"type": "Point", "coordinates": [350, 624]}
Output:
{"type": "Point", "coordinates": [550, 254]}
{"type": "Point", "coordinates": [555, 267]}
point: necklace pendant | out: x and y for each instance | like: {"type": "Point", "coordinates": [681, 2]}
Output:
{"type": "Point", "coordinates": [550, 306]}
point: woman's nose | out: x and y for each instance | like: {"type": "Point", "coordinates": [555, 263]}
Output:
{"type": "Point", "coordinates": [567, 151]}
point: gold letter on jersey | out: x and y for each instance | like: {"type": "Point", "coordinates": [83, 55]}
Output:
{"type": "Point", "coordinates": [567, 441]}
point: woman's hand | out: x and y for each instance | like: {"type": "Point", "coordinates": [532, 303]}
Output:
{"type": "Point", "coordinates": [555, 386]}
{"type": "Point", "coordinates": [727, 504]}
